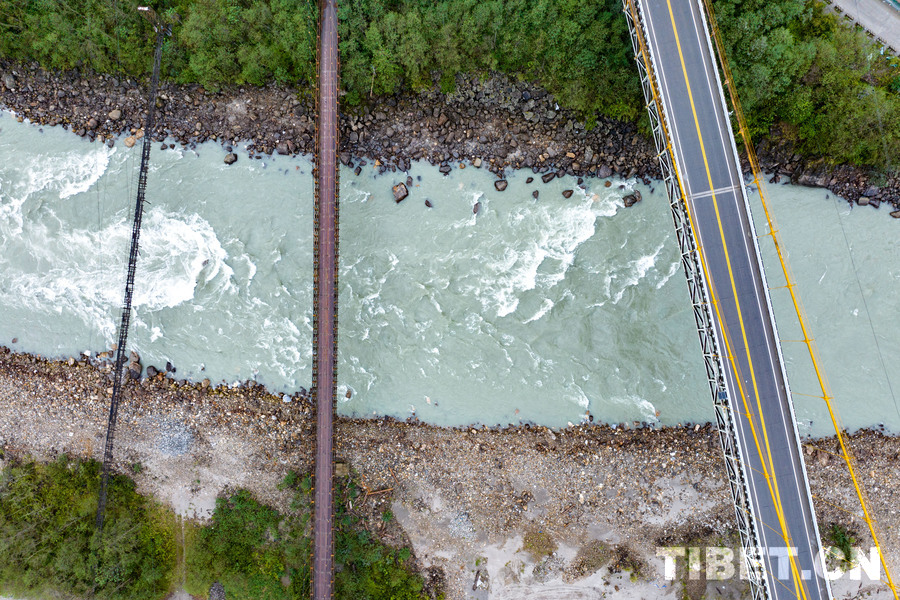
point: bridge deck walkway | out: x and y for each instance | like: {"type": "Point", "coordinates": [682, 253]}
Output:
{"type": "Point", "coordinates": [325, 284]}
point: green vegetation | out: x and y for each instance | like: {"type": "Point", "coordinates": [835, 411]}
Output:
{"type": "Point", "coordinates": [538, 544]}
{"type": "Point", "coordinates": [843, 540]}
{"type": "Point", "coordinates": [49, 546]}
{"type": "Point", "coordinates": [48, 540]}
{"type": "Point", "coordinates": [794, 65]}
{"type": "Point", "coordinates": [247, 548]}
{"type": "Point", "coordinates": [257, 553]}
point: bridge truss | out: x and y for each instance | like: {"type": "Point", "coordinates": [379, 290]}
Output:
{"type": "Point", "coordinates": [700, 301]}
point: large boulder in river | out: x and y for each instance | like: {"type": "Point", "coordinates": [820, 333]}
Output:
{"type": "Point", "coordinates": [230, 158]}
{"type": "Point", "coordinates": [871, 191]}
{"type": "Point", "coordinates": [129, 141]}
{"type": "Point", "coordinates": [500, 184]}
{"type": "Point", "coordinates": [812, 179]}
{"type": "Point", "coordinates": [400, 192]}
{"type": "Point", "coordinates": [632, 199]}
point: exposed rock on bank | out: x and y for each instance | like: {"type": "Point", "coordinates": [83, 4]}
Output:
{"type": "Point", "coordinates": [468, 499]}
{"type": "Point", "coordinates": [497, 124]}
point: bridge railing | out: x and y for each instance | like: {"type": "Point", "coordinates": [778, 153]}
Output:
{"type": "Point", "coordinates": [802, 319]}
{"type": "Point", "coordinates": [698, 285]}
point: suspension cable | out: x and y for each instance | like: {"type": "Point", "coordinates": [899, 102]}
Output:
{"type": "Point", "coordinates": [129, 279]}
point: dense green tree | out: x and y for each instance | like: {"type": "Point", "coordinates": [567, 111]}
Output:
{"type": "Point", "coordinates": [794, 64]}
{"type": "Point", "coordinates": [48, 539]}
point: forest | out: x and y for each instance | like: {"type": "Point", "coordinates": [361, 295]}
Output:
{"type": "Point", "coordinates": [827, 86]}
{"type": "Point", "coordinates": [52, 549]}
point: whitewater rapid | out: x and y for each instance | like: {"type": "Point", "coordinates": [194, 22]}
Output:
{"type": "Point", "coordinates": [542, 310]}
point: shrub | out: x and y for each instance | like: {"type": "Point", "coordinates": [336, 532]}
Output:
{"type": "Point", "coordinates": [48, 539]}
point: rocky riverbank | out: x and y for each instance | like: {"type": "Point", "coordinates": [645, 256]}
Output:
{"type": "Point", "coordinates": [520, 512]}
{"type": "Point", "coordinates": [496, 123]}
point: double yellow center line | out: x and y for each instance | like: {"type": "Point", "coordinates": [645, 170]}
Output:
{"type": "Point", "coordinates": [771, 479]}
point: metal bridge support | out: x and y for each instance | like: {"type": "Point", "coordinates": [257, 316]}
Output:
{"type": "Point", "coordinates": [325, 298]}
{"type": "Point", "coordinates": [700, 300]}
{"type": "Point", "coordinates": [161, 31]}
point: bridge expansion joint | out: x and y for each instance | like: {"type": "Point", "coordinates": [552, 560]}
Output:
{"type": "Point", "coordinates": [701, 303]}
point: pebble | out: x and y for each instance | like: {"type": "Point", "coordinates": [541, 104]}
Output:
{"type": "Point", "coordinates": [426, 126]}
{"type": "Point", "coordinates": [457, 488]}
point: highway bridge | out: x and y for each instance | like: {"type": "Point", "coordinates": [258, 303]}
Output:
{"type": "Point", "coordinates": [700, 165]}
{"type": "Point", "coordinates": [706, 187]}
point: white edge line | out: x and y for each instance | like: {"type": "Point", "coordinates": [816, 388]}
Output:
{"type": "Point", "coordinates": [768, 302]}
{"type": "Point", "coordinates": [749, 491]}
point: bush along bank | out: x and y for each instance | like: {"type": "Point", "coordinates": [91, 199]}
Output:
{"type": "Point", "coordinates": [495, 123]}
{"type": "Point", "coordinates": [255, 552]}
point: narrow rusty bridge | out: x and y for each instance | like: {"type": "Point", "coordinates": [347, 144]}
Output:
{"type": "Point", "coordinates": [325, 320]}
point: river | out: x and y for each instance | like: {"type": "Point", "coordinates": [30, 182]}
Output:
{"type": "Point", "coordinates": [533, 310]}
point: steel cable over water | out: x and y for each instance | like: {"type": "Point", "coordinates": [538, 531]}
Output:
{"type": "Point", "coordinates": [691, 227]}
{"type": "Point", "coordinates": [801, 316]}
{"type": "Point", "coordinates": [129, 280]}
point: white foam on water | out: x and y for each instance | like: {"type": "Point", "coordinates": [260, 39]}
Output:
{"type": "Point", "coordinates": [472, 219]}
{"type": "Point", "coordinates": [644, 406]}
{"type": "Point", "coordinates": [546, 305]}
{"type": "Point", "coordinates": [70, 174]}
{"type": "Point", "coordinates": [541, 247]}
{"type": "Point", "coordinates": [673, 268]}
{"type": "Point", "coordinates": [355, 195]}
{"type": "Point", "coordinates": [281, 342]}
{"type": "Point", "coordinates": [576, 395]}
{"type": "Point", "coordinates": [662, 384]}
{"type": "Point", "coordinates": [178, 254]}
{"type": "Point", "coordinates": [64, 176]}
{"type": "Point", "coordinates": [82, 272]}
{"type": "Point", "coordinates": [637, 270]}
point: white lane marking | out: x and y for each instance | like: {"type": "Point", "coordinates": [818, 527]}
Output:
{"type": "Point", "coordinates": [760, 301]}
{"type": "Point", "coordinates": [666, 99]}
{"type": "Point", "coordinates": [720, 190]}
{"type": "Point", "coordinates": [768, 335]}
{"type": "Point", "coordinates": [731, 171]}
{"type": "Point", "coordinates": [762, 532]}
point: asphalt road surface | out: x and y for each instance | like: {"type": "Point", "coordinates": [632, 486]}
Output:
{"type": "Point", "coordinates": [705, 158]}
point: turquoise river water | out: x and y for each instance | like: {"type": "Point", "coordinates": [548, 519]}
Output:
{"type": "Point", "coordinates": [531, 310]}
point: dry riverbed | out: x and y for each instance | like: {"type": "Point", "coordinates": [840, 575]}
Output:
{"type": "Point", "coordinates": [522, 512]}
